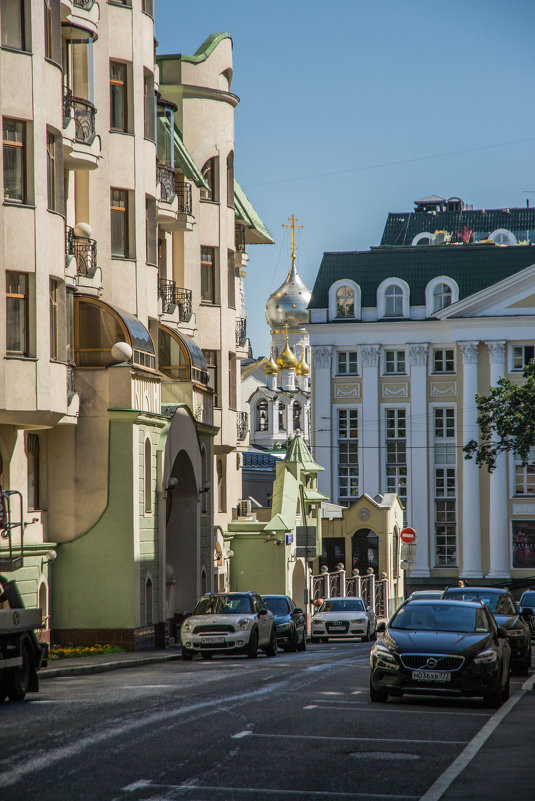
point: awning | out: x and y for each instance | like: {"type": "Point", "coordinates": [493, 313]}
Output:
{"type": "Point", "coordinates": [141, 339]}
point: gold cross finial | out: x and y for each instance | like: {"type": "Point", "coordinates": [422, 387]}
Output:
{"type": "Point", "coordinates": [292, 220]}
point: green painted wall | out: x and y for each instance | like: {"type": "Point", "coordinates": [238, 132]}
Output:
{"type": "Point", "coordinates": [258, 565]}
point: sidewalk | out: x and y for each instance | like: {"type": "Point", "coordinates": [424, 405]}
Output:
{"type": "Point", "coordinates": [76, 665]}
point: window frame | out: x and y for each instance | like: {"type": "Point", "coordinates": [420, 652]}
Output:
{"type": "Point", "coordinates": [121, 85]}
{"type": "Point", "coordinates": [521, 347]}
{"type": "Point", "coordinates": [333, 300]}
{"type": "Point", "coordinates": [53, 302]}
{"type": "Point", "coordinates": [122, 210]}
{"type": "Point", "coordinates": [347, 453]}
{"type": "Point", "coordinates": [16, 145]}
{"type": "Point", "coordinates": [208, 275]}
{"type": "Point", "coordinates": [21, 296]}
{"type": "Point", "coordinates": [212, 361]}
{"type": "Point", "coordinates": [382, 298]}
{"type": "Point", "coordinates": [430, 289]}
{"type": "Point", "coordinates": [347, 357]}
{"type": "Point", "coordinates": [395, 361]}
{"type": "Point", "coordinates": [445, 359]}
{"type": "Point", "coordinates": [210, 173]}
{"type": "Point", "coordinates": [32, 448]}
{"type": "Point", "coordinates": [24, 28]}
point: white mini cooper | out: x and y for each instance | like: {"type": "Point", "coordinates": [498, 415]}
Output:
{"type": "Point", "coordinates": [229, 623]}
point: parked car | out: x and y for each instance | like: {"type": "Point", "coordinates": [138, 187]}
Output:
{"type": "Point", "coordinates": [343, 617]}
{"type": "Point", "coordinates": [527, 602]}
{"type": "Point", "coordinates": [229, 623]}
{"type": "Point", "coordinates": [450, 648]}
{"type": "Point", "coordinates": [507, 613]}
{"type": "Point", "coordinates": [424, 595]}
{"type": "Point", "coordinates": [289, 621]}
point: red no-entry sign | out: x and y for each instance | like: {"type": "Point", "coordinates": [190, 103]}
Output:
{"type": "Point", "coordinates": [408, 535]}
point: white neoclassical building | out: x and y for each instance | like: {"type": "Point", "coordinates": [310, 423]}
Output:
{"type": "Point", "coordinates": [402, 337]}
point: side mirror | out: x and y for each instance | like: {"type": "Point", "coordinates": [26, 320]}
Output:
{"type": "Point", "coordinates": [297, 611]}
{"type": "Point", "coordinates": [526, 611]}
{"type": "Point", "coordinates": [368, 607]}
{"type": "Point", "coordinates": [502, 632]}
{"type": "Point", "coordinates": [262, 612]}
{"type": "Point", "coordinates": [381, 626]}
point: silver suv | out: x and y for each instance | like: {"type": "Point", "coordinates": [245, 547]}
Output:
{"type": "Point", "coordinates": [229, 623]}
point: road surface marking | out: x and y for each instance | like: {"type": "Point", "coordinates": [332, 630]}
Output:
{"type": "Point", "coordinates": [240, 734]}
{"type": "Point", "coordinates": [331, 692]}
{"type": "Point", "coordinates": [351, 739]}
{"type": "Point", "coordinates": [446, 779]}
{"type": "Point", "coordinates": [408, 711]}
{"type": "Point", "coordinates": [271, 792]}
{"type": "Point", "coordinates": [311, 706]}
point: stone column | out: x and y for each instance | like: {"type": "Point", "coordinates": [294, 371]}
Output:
{"type": "Point", "coordinates": [370, 475]}
{"type": "Point", "coordinates": [498, 516]}
{"type": "Point", "coordinates": [471, 523]}
{"type": "Point", "coordinates": [322, 422]}
{"type": "Point", "coordinates": [418, 484]}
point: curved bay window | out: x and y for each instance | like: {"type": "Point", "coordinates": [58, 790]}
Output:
{"type": "Point", "coordinates": [345, 302]}
{"type": "Point", "coordinates": [98, 327]}
{"type": "Point", "coordinates": [180, 358]}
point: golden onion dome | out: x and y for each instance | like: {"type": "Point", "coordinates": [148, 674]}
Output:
{"type": "Point", "coordinates": [271, 367]}
{"type": "Point", "coordinates": [289, 303]}
{"type": "Point", "coordinates": [302, 368]}
{"type": "Point", "coordinates": [287, 360]}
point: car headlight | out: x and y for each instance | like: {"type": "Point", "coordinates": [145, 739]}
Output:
{"type": "Point", "coordinates": [244, 623]}
{"type": "Point", "coordinates": [283, 626]}
{"type": "Point", "coordinates": [319, 620]}
{"type": "Point", "coordinates": [383, 656]}
{"type": "Point", "coordinates": [187, 626]}
{"type": "Point", "coordinates": [515, 633]}
{"type": "Point", "coordinates": [486, 657]}
{"type": "Point", "coordinates": [358, 620]}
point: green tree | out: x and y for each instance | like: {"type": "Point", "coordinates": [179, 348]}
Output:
{"type": "Point", "coordinates": [506, 420]}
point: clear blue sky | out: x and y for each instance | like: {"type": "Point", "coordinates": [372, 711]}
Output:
{"type": "Point", "coordinates": [352, 109]}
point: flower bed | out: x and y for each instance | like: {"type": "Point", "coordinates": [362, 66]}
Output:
{"type": "Point", "coordinates": [64, 652]}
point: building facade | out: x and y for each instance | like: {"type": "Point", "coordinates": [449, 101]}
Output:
{"type": "Point", "coordinates": [403, 336]}
{"type": "Point", "coordinates": [120, 305]}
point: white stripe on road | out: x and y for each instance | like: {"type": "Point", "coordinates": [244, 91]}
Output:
{"type": "Point", "coordinates": [323, 738]}
{"type": "Point", "coordinates": [446, 779]}
{"type": "Point", "coordinates": [408, 711]}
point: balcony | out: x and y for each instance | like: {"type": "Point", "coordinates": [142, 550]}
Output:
{"type": "Point", "coordinates": [84, 251]}
{"type": "Point", "coordinates": [241, 332]}
{"type": "Point", "coordinates": [84, 13]}
{"type": "Point", "coordinates": [81, 145]}
{"type": "Point", "coordinates": [173, 296]}
{"type": "Point", "coordinates": [242, 425]}
{"type": "Point", "coordinates": [165, 177]}
{"type": "Point", "coordinates": [183, 192]}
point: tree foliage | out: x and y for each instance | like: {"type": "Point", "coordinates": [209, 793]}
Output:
{"type": "Point", "coordinates": [506, 420]}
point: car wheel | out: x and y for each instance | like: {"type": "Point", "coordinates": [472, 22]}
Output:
{"type": "Point", "coordinates": [19, 680]}
{"type": "Point", "coordinates": [366, 637]}
{"type": "Point", "coordinates": [271, 649]}
{"type": "Point", "coordinates": [252, 648]}
{"type": "Point", "coordinates": [295, 641]}
{"type": "Point", "coordinates": [187, 656]}
{"type": "Point", "coordinates": [506, 691]}
{"type": "Point", "coordinates": [494, 700]}
{"type": "Point", "coordinates": [303, 644]}
{"type": "Point", "coordinates": [374, 635]}
{"type": "Point", "coordinates": [207, 654]}
{"type": "Point", "coordinates": [377, 696]}
{"type": "Point", "coordinates": [523, 667]}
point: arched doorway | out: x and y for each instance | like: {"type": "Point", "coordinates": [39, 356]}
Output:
{"type": "Point", "coordinates": [365, 550]}
{"type": "Point", "coordinates": [299, 584]}
{"type": "Point", "coordinates": [182, 538]}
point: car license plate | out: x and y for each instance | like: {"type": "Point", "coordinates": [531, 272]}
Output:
{"type": "Point", "coordinates": [337, 624]}
{"type": "Point", "coordinates": [431, 675]}
{"type": "Point", "coordinates": [212, 640]}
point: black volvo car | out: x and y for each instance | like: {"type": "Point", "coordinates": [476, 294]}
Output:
{"type": "Point", "coordinates": [447, 648]}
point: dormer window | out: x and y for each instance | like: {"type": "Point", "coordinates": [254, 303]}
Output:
{"type": "Point", "coordinates": [503, 237]}
{"type": "Point", "coordinates": [440, 292]}
{"type": "Point", "coordinates": [441, 297]}
{"type": "Point", "coordinates": [345, 302]}
{"type": "Point", "coordinates": [393, 301]}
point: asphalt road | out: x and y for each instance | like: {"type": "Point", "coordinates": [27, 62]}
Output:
{"type": "Point", "coordinates": [297, 726]}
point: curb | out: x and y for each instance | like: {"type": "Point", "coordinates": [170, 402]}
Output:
{"type": "Point", "coordinates": [104, 667]}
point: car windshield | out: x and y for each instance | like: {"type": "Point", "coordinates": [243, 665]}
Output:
{"type": "Point", "coordinates": [425, 596]}
{"type": "Point", "coordinates": [490, 599]}
{"type": "Point", "coordinates": [440, 617]}
{"type": "Point", "coordinates": [343, 605]}
{"type": "Point", "coordinates": [223, 605]}
{"type": "Point", "coordinates": [528, 599]}
{"type": "Point", "coordinates": [279, 606]}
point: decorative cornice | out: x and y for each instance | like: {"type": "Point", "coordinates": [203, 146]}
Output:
{"type": "Point", "coordinates": [469, 352]}
{"type": "Point", "coordinates": [322, 355]}
{"type": "Point", "coordinates": [418, 354]}
{"type": "Point", "coordinates": [496, 351]}
{"type": "Point", "coordinates": [370, 355]}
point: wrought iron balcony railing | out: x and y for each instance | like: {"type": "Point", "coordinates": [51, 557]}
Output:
{"type": "Point", "coordinates": [67, 105]}
{"type": "Point", "coordinates": [87, 5]}
{"type": "Point", "coordinates": [241, 332]}
{"type": "Point", "coordinates": [84, 120]}
{"type": "Point", "coordinates": [242, 425]}
{"type": "Point", "coordinates": [183, 192]}
{"type": "Point", "coordinates": [84, 251]}
{"type": "Point", "coordinates": [165, 176]}
{"type": "Point", "coordinates": [240, 238]}
{"type": "Point", "coordinates": [172, 295]}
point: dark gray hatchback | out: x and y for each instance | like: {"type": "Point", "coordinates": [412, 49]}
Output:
{"type": "Point", "coordinates": [447, 648]}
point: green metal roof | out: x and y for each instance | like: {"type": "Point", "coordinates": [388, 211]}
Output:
{"type": "Point", "coordinates": [473, 267]}
{"type": "Point", "coordinates": [184, 161]}
{"type": "Point", "coordinates": [402, 227]}
{"type": "Point", "coordinates": [298, 451]}
{"type": "Point", "coordinates": [245, 211]}
{"type": "Point", "coordinates": [202, 53]}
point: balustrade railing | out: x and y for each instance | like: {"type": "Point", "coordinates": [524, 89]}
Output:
{"type": "Point", "coordinates": [337, 585]}
{"type": "Point", "coordinates": [242, 425]}
{"type": "Point", "coordinates": [183, 193]}
{"type": "Point", "coordinates": [87, 5]}
{"type": "Point", "coordinates": [84, 251]}
{"type": "Point", "coordinates": [67, 105]}
{"type": "Point", "coordinates": [165, 176]}
{"type": "Point", "coordinates": [241, 332]}
{"type": "Point", "coordinates": [84, 120]}
{"type": "Point", "coordinates": [172, 295]}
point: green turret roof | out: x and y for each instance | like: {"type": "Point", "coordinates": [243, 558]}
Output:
{"type": "Point", "coordinates": [297, 451]}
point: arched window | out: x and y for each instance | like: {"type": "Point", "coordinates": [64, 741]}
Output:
{"type": "Point", "coordinates": [424, 238]}
{"type": "Point", "coordinates": [441, 297]}
{"type": "Point", "coordinates": [262, 415]}
{"type": "Point", "coordinates": [345, 302]}
{"type": "Point", "coordinates": [180, 358]}
{"type": "Point", "coordinates": [148, 476]}
{"type": "Point", "coordinates": [148, 602]}
{"type": "Point", "coordinates": [282, 416]}
{"type": "Point", "coordinates": [230, 179]}
{"type": "Point", "coordinates": [98, 326]}
{"type": "Point", "coordinates": [297, 416]}
{"type": "Point", "coordinates": [209, 173]}
{"type": "Point", "coordinates": [393, 301]}
{"type": "Point", "coordinates": [503, 237]}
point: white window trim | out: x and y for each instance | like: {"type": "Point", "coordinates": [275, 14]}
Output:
{"type": "Point", "coordinates": [512, 346]}
{"type": "Point", "coordinates": [509, 234]}
{"type": "Point", "coordinates": [384, 349]}
{"type": "Point", "coordinates": [459, 463]}
{"type": "Point", "coordinates": [335, 363]}
{"type": "Point", "coordinates": [286, 403]}
{"type": "Point", "coordinates": [335, 489]}
{"type": "Point", "coordinates": [440, 279]}
{"type": "Point", "coordinates": [423, 235]}
{"type": "Point", "coordinates": [408, 440]}
{"type": "Point", "coordinates": [332, 299]}
{"type": "Point", "coordinates": [431, 361]}
{"type": "Point", "coordinates": [381, 300]}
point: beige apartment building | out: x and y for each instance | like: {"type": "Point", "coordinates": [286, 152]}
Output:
{"type": "Point", "coordinates": [123, 242]}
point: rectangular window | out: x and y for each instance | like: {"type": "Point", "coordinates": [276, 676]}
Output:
{"type": "Point", "coordinates": [522, 355]}
{"type": "Point", "coordinates": [148, 7]}
{"type": "Point", "coordinates": [444, 360]}
{"type": "Point", "coordinates": [525, 476]}
{"type": "Point", "coordinates": [348, 468]}
{"type": "Point", "coordinates": [49, 49]}
{"type": "Point", "coordinates": [17, 313]}
{"type": "Point", "coordinates": [232, 381]}
{"type": "Point", "coordinates": [231, 277]}
{"type": "Point", "coordinates": [208, 274]}
{"type": "Point", "coordinates": [14, 142]}
{"type": "Point", "coordinates": [119, 222]}
{"type": "Point", "coordinates": [150, 230]}
{"type": "Point", "coordinates": [54, 321]}
{"type": "Point", "coordinates": [211, 363]}
{"type": "Point", "coordinates": [118, 110]}
{"type": "Point", "coordinates": [396, 453]}
{"type": "Point", "coordinates": [347, 363]}
{"type": "Point", "coordinates": [51, 170]}
{"type": "Point", "coordinates": [444, 423]}
{"type": "Point", "coordinates": [32, 464]}
{"type": "Point", "coordinates": [149, 105]}
{"type": "Point", "coordinates": [395, 362]}
{"type": "Point", "coordinates": [13, 23]}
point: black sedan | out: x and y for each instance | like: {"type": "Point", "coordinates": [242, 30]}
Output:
{"type": "Point", "coordinates": [507, 614]}
{"type": "Point", "coordinates": [443, 648]}
{"type": "Point", "coordinates": [290, 622]}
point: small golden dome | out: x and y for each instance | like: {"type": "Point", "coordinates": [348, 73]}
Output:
{"type": "Point", "coordinates": [271, 368]}
{"type": "Point", "coordinates": [287, 360]}
{"type": "Point", "coordinates": [302, 368]}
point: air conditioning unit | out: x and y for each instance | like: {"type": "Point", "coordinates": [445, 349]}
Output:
{"type": "Point", "coordinates": [244, 508]}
